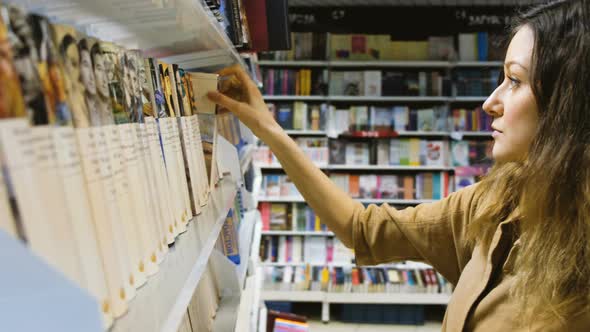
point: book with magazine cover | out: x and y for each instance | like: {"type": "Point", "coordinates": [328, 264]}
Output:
{"type": "Point", "coordinates": [206, 111]}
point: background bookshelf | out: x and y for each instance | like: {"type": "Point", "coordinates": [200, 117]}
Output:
{"type": "Point", "coordinates": [436, 88]}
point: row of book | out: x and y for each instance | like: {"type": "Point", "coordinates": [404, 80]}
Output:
{"type": "Point", "coordinates": [355, 280]}
{"type": "Point", "coordinates": [376, 83]}
{"type": "Point", "coordinates": [480, 46]}
{"type": "Point", "coordinates": [402, 152]}
{"type": "Point", "coordinates": [289, 217]}
{"type": "Point", "coordinates": [104, 153]}
{"type": "Point", "coordinates": [304, 249]}
{"type": "Point", "coordinates": [389, 152]}
{"type": "Point", "coordinates": [300, 115]}
{"type": "Point", "coordinates": [315, 148]}
{"type": "Point", "coordinates": [301, 82]}
{"type": "Point", "coordinates": [476, 82]}
{"type": "Point", "coordinates": [304, 116]}
{"type": "Point", "coordinates": [429, 186]}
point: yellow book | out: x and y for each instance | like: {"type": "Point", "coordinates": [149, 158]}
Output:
{"type": "Point", "coordinates": [414, 152]}
{"type": "Point", "coordinates": [318, 224]}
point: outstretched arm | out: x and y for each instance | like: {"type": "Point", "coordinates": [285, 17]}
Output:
{"type": "Point", "coordinates": [334, 207]}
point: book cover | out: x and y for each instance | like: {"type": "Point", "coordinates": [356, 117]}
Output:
{"type": "Point", "coordinates": [388, 187]}
{"type": "Point", "coordinates": [395, 152]}
{"type": "Point", "coordinates": [357, 153]}
{"type": "Point", "coordinates": [353, 83]}
{"type": "Point", "coordinates": [383, 150]}
{"type": "Point", "coordinates": [278, 25]}
{"type": "Point", "coordinates": [460, 153]}
{"type": "Point", "coordinates": [354, 186]}
{"type": "Point", "coordinates": [435, 155]}
{"type": "Point", "coordinates": [372, 83]}
{"type": "Point", "coordinates": [368, 186]}
{"type": "Point", "coordinates": [273, 188]}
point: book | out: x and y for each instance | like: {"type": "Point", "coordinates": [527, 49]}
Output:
{"type": "Point", "coordinates": [372, 83]}
{"type": "Point", "coordinates": [278, 25]}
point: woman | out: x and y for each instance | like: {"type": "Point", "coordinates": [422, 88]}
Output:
{"type": "Point", "coordinates": [516, 245]}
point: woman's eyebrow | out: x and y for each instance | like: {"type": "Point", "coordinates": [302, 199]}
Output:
{"type": "Point", "coordinates": [513, 62]}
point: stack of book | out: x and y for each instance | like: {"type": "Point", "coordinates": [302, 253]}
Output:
{"type": "Point", "coordinates": [104, 153]}
{"type": "Point", "coordinates": [398, 151]}
{"type": "Point", "coordinates": [421, 186]}
{"type": "Point", "coordinates": [301, 82]}
{"type": "Point", "coordinates": [351, 279]}
{"type": "Point", "coordinates": [479, 46]}
{"type": "Point", "coordinates": [386, 119]}
{"type": "Point", "coordinates": [289, 217]}
{"type": "Point", "coordinates": [315, 148]}
{"type": "Point", "coordinates": [317, 250]}
{"type": "Point", "coordinates": [476, 82]}
{"type": "Point", "coordinates": [300, 115]}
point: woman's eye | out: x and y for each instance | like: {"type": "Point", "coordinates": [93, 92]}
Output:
{"type": "Point", "coordinates": [513, 82]}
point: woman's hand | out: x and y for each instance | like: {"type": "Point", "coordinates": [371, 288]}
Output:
{"type": "Point", "coordinates": [241, 96]}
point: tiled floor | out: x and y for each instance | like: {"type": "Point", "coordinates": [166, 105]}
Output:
{"type": "Point", "coordinates": [318, 326]}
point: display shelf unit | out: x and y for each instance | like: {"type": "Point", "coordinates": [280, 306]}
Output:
{"type": "Point", "coordinates": [181, 32]}
{"type": "Point", "coordinates": [306, 132]}
{"type": "Point", "coordinates": [327, 298]}
{"type": "Point", "coordinates": [241, 293]}
{"type": "Point", "coordinates": [161, 304]}
{"type": "Point", "coordinates": [380, 64]}
{"type": "Point", "coordinates": [295, 199]}
{"type": "Point", "coordinates": [295, 98]}
{"type": "Point", "coordinates": [300, 233]}
{"type": "Point", "coordinates": [366, 167]}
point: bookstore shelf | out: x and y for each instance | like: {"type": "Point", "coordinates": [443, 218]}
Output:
{"type": "Point", "coordinates": [351, 265]}
{"type": "Point", "coordinates": [400, 99]}
{"type": "Point", "coordinates": [182, 32]}
{"type": "Point", "coordinates": [294, 296]}
{"type": "Point", "coordinates": [310, 63]}
{"type": "Point", "coordinates": [299, 98]}
{"type": "Point", "coordinates": [303, 233]}
{"type": "Point", "coordinates": [366, 167]}
{"type": "Point", "coordinates": [161, 304]}
{"type": "Point", "coordinates": [380, 64]}
{"type": "Point", "coordinates": [468, 99]}
{"type": "Point", "coordinates": [306, 132]}
{"type": "Point", "coordinates": [248, 239]}
{"type": "Point", "coordinates": [475, 133]}
{"type": "Point", "coordinates": [388, 298]}
{"type": "Point", "coordinates": [295, 199]}
{"type": "Point", "coordinates": [478, 64]}
{"type": "Point", "coordinates": [388, 168]}
{"type": "Point", "coordinates": [246, 156]}
{"type": "Point", "coordinates": [358, 298]}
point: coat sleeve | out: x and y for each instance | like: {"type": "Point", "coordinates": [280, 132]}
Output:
{"type": "Point", "coordinates": [434, 233]}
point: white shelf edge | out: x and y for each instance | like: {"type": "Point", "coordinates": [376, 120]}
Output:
{"type": "Point", "coordinates": [291, 97]}
{"type": "Point", "coordinates": [359, 298]}
{"type": "Point", "coordinates": [246, 239]}
{"type": "Point", "coordinates": [289, 63]}
{"type": "Point", "coordinates": [388, 298]}
{"type": "Point", "coordinates": [293, 296]}
{"type": "Point", "coordinates": [362, 200]}
{"type": "Point", "coordinates": [306, 132]}
{"type": "Point", "coordinates": [379, 63]}
{"type": "Point", "coordinates": [434, 99]}
{"type": "Point", "coordinates": [179, 308]}
{"type": "Point", "coordinates": [367, 167]}
{"type": "Point", "coordinates": [411, 265]}
{"type": "Point", "coordinates": [161, 304]}
{"type": "Point", "coordinates": [304, 233]}
{"type": "Point", "coordinates": [227, 312]}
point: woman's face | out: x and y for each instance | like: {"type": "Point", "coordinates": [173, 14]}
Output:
{"type": "Point", "coordinates": [513, 103]}
{"type": "Point", "coordinates": [100, 75]}
{"type": "Point", "coordinates": [87, 73]}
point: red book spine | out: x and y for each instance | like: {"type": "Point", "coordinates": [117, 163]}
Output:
{"type": "Point", "coordinates": [257, 24]}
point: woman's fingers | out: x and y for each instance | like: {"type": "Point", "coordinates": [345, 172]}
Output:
{"type": "Point", "coordinates": [229, 103]}
{"type": "Point", "coordinates": [239, 72]}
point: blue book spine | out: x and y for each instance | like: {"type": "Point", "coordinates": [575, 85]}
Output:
{"type": "Point", "coordinates": [482, 46]}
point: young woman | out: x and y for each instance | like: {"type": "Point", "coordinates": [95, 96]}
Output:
{"type": "Point", "coordinates": [516, 245]}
